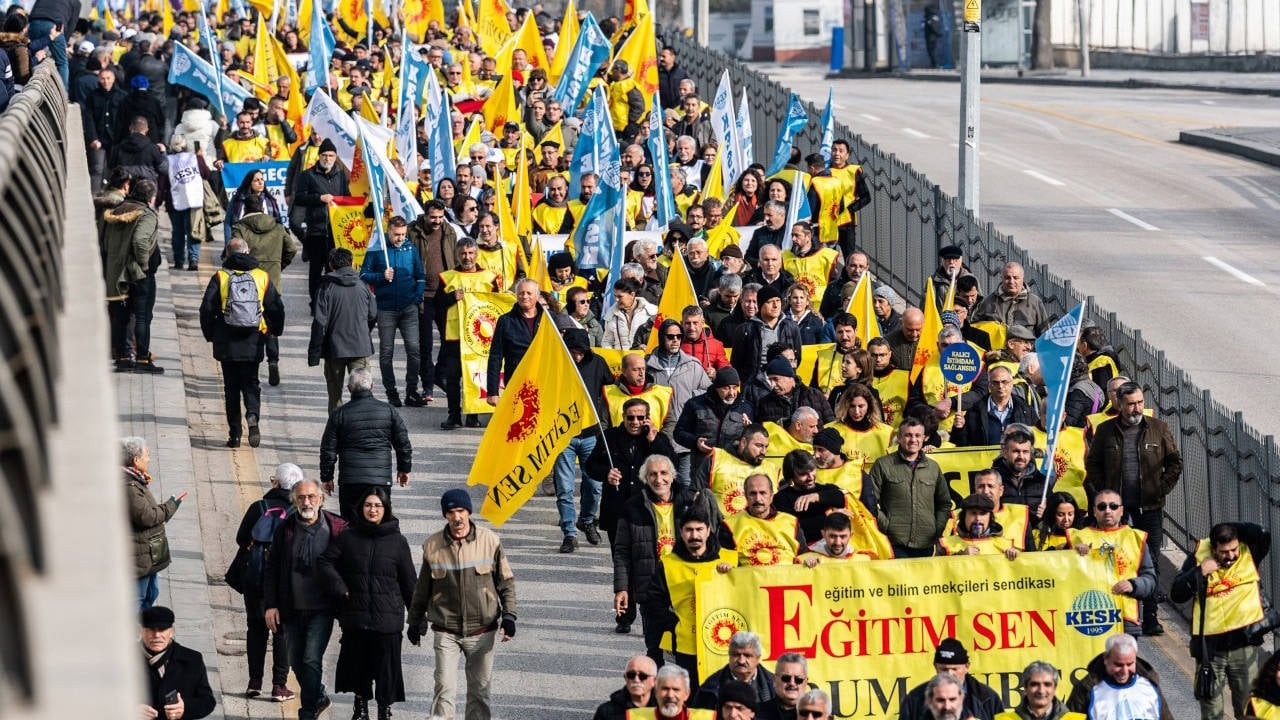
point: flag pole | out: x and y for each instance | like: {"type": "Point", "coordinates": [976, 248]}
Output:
{"type": "Point", "coordinates": [1051, 442]}
{"type": "Point", "coordinates": [585, 391]}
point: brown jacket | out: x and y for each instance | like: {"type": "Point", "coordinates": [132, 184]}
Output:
{"type": "Point", "coordinates": [1160, 463]}
{"type": "Point", "coordinates": [437, 255]}
{"type": "Point", "coordinates": [465, 585]}
{"type": "Point", "coordinates": [147, 518]}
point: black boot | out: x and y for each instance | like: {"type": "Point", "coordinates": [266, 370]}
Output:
{"type": "Point", "coordinates": [384, 712]}
{"type": "Point", "coordinates": [360, 710]}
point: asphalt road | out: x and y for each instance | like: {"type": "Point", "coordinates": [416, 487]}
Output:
{"type": "Point", "coordinates": [1183, 243]}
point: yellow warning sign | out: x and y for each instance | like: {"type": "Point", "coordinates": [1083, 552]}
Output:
{"type": "Point", "coordinates": [972, 15]}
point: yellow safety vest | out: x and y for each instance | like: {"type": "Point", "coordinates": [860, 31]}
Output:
{"type": "Point", "coordinates": [1263, 709]}
{"type": "Point", "coordinates": [936, 387]}
{"type": "Point", "coordinates": [561, 292]}
{"type": "Point", "coordinates": [1068, 461]}
{"type": "Point", "coordinates": [479, 280]}
{"type": "Point", "coordinates": [813, 271]}
{"type": "Point", "coordinates": [634, 203]}
{"type": "Point", "coordinates": [648, 713]}
{"type": "Point", "coordinates": [727, 475]}
{"type": "Point", "coordinates": [501, 261]}
{"type": "Point", "coordinates": [831, 191]}
{"type": "Point", "coordinates": [1119, 553]}
{"type": "Point", "coordinates": [864, 447]}
{"type": "Point", "coordinates": [277, 146]}
{"type": "Point", "coordinates": [664, 515]}
{"type": "Point", "coordinates": [260, 278]}
{"type": "Point", "coordinates": [1013, 519]}
{"type": "Point", "coordinates": [995, 330]}
{"type": "Point", "coordinates": [252, 150]}
{"type": "Point", "coordinates": [827, 371]}
{"type": "Point", "coordinates": [658, 397]}
{"type": "Point", "coordinates": [850, 555]}
{"type": "Point", "coordinates": [781, 442]}
{"type": "Point", "coordinates": [1234, 600]}
{"type": "Point", "coordinates": [955, 544]}
{"type": "Point", "coordinates": [893, 395]}
{"type": "Point", "coordinates": [1048, 542]}
{"type": "Point", "coordinates": [849, 175]}
{"type": "Point", "coordinates": [684, 201]}
{"type": "Point", "coordinates": [765, 542]}
{"type": "Point", "coordinates": [683, 578]}
{"type": "Point", "coordinates": [1013, 715]}
{"type": "Point", "coordinates": [1103, 361]}
{"type": "Point", "coordinates": [548, 218]}
{"type": "Point", "coordinates": [618, 104]}
{"type": "Point", "coordinates": [847, 477]}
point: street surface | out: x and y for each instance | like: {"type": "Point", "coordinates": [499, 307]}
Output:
{"type": "Point", "coordinates": [1180, 242]}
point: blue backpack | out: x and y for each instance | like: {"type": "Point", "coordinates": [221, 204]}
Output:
{"type": "Point", "coordinates": [260, 548]}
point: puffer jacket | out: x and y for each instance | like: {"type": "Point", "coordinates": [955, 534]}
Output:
{"type": "Point", "coordinates": [706, 416]}
{"type": "Point", "coordinates": [268, 241]}
{"type": "Point", "coordinates": [619, 332]}
{"type": "Point", "coordinates": [138, 154]}
{"type": "Point", "coordinates": [147, 518]}
{"type": "Point", "coordinates": [130, 234]}
{"type": "Point", "coordinates": [635, 544]}
{"type": "Point", "coordinates": [368, 572]}
{"type": "Point", "coordinates": [236, 344]}
{"type": "Point", "coordinates": [687, 380]}
{"type": "Point", "coordinates": [358, 440]}
{"type": "Point", "coordinates": [409, 283]}
{"type": "Point", "coordinates": [198, 127]}
{"type": "Point", "coordinates": [773, 407]}
{"type": "Point", "coordinates": [465, 585]}
{"type": "Point", "coordinates": [345, 314]}
{"type": "Point", "coordinates": [313, 183]}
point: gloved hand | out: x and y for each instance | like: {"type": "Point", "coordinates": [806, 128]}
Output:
{"type": "Point", "coordinates": [414, 634]}
{"type": "Point", "coordinates": [508, 625]}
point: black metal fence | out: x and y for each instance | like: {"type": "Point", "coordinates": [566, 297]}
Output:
{"type": "Point", "coordinates": [1231, 471]}
{"type": "Point", "coordinates": [32, 177]}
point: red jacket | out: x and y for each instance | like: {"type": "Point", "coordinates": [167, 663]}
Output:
{"type": "Point", "coordinates": [709, 351]}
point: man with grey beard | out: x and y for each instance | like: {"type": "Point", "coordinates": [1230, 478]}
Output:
{"type": "Point", "coordinates": [292, 594]}
{"type": "Point", "coordinates": [945, 698]}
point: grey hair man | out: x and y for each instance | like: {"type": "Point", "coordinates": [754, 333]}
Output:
{"type": "Point", "coordinates": [814, 705]}
{"type": "Point", "coordinates": [1119, 678]}
{"type": "Point", "coordinates": [672, 690]}
{"type": "Point", "coordinates": [944, 698]}
{"type": "Point", "coordinates": [790, 681]}
{"type": "Point", "coordinates": [1039, 684]}
{"type": "Point", "coordinates": [745, 653]}
{"type": "Point", "coordinates": [358, 441]}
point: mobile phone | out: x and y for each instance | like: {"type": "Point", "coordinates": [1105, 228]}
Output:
{"type": "Point", "coordinates": [171, 697]}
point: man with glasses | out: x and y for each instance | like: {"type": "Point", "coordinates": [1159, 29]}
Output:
{"type": "Point", "coordinates": [985, 422]}
{"type": "Point", "coordinates": [646, 253]}
{"type": "Point", "coordinates": [976, 700]}
{"type": "Point", "coordinates": [1119, 553]}
{"type": "Point", "coordinates": [293, 597]}
{"type": "Point", "coordinates": [669, 366]}
{"type": "Point", "coordinates": [636, 692]}
{"type": "Point", "coordinates": [790, 682]}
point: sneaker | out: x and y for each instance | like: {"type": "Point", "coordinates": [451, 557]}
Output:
{"type": "Point", "coordinates": [255, 436]}
{"type": "Point", "coordinates": [393, 397]}
{"type": "Point", "coordinates": [473, 421]}
{"type": "Point", "coordinates": [590, 530]}
{"type": "Point", "coordinates": [569, 545]}
{"type": "Point", "coordinates": [281, 693]}
{"type": "Point", "coordinates": [254, 689]}
{"type": "Point", "coordinates": [413, 399]}
{"type": "Point", "coordinates": [322, 707]}
{"type": "Point", "coordinates": [125, 365]}
{"type": "Point", "coordinates": [452, 423]}
{"type": "Point", "coordinates": [147, 367]}
{"type": "Point", "coordinates": [273, 374]}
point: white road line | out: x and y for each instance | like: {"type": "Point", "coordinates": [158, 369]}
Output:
{"type": "Point", "coordinates": [1044, 178]}
{"type": "Point", "coordinates": [1239, 274]}
{"type": "Point", "coordinates": [915, 133]}
{"type": "Point", "coordinates": [1208, 102]}
{"type": "Point", "coordinates": [1131, 219]}
{"type": "Point", "coordinates": [870, 117]}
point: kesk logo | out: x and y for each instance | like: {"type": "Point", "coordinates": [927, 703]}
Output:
{"type": "Point", "coordinates": [719, 628]}
{"type": "Point", "coordinates": [530, 406]}
{"type": "Point", "coordinates": [1093, 613]}
{"type": "Point", "coordinates": [1061, 334]}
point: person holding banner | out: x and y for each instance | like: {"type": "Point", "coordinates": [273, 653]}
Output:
{"type": "Point", "coordinates": [1120, 551]}
{"type": "Point", "coordinates": [728, 469]}
{"type": "Point", "coordinates": [976, 533]}
{"type": "Point", "coordinates": [1061, 516]}
{"type": "Point", "coordinates": [763, 535]}
{"type": "Point", "coordinates": [913, 497]}
{"type": "Point", "coordinates": [835, 544]}
{"type": "Point", "coordinates": [512, 335]}
{"type": "Point", "coordinates": [317, 188]}
{"type": "Point", "coordinates": [743, 669]}
{"type": "Point", "coordinates": [466, 276]}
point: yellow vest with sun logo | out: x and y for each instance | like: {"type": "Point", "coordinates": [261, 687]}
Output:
{"type": "Point", "coordinates": [1233, 599]}
{"type": "Point", "coordinates": [812, 271]}
{"type": "Point", "coordinates": [762, 541]}
{"type": "Point", "coordinates": [893, 395]}
{"type": "Point", "coordinates": [1118, 553]}
{"type": "Point", "coordinates": [683, 577]}
{"type": "Point", "coordinates": [480, 280]}
{"type": "Point", "coordinates": [727, 474]}
{"type": "Point", "coordinates": [864, 447]}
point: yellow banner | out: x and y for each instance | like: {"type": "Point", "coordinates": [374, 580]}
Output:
{"type": "Point", "coordinates": [542, 408]}
{"type": "Point", "coordinates": [478, 313]}
{"type": "Point", "coordinates": [351, 229]}
{"type": "Point", "coordinates": [961, 465]}
{"type": "Point", "coordinates": [869, 629]}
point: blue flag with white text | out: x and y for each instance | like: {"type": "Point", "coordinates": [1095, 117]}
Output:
{"type": "Point", "coordinates": [1056, 349]}
{"type": "Point", "coordinates": [590, 51]}
{"type": "Point", "coordinates": [795, 121]}
{"type": "Point", "coordinates": [828, 129]}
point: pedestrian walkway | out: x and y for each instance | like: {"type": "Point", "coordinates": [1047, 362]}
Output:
{"type": "Point", "coordinates": [1256, 143]}
{"type": "Point", "coordinates": [1261, 83]}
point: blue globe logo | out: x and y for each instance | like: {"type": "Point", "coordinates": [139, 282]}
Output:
{"type": "Point", "coordinates": [1093, 613]}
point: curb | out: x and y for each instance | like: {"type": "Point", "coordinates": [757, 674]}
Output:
{"type": "Point", "coordinates": [1215, 140]}
{"type": "Point", "coordinates": [1129, 83]}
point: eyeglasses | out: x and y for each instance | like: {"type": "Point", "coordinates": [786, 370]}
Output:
{"type": "Point", "coordinates": [652, 257]}
{"type": "Point", "coordinates": [637, 418]}
{"type": "Point", "coordinates": [372, 505]}
{"type": "Point", "coordinates": [793, 679]}
{"type": "Point", "coordinates": [644, 174]}
{"type": "Point", "coordinates": [636, 675]}
{"type": "Point", "coordinates": [581, 301]}
{"type": "Point", "coordinates": [671, 337]}
{"type": "Point", "coordinates": [810, 713]}
{"type": "Point", "coordinates": [1107, 506]}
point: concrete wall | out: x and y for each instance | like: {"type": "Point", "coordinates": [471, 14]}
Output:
{"type": "Point", "coordinates": [794, 30]}
{"type": "Point", "coordinates": [1222, 27]}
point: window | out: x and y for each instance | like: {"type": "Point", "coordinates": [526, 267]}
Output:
{"type": "Point", "coordinates": [812, 22]}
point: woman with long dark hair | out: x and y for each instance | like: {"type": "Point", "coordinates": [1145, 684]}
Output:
{"type": "Point", "coordinates": [749, 199]}
{"type": "Point", "coordinates": [1061, 515]}
{"type": "Point", "coordinates": [255, 183]}
{"type": "Point", "coordinates": [859, 422]}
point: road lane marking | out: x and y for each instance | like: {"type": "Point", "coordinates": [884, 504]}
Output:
{"type": "Point", "coordinates": [915, 133]}
{"type": "Point", "coordinates": [1239, 274]}
{"type": "Point", "coordinates": [1044, 178]}
{"type": "Point", "coordinates": [870, 117]}
{"type": "Point", "coordinates": [1131, 219]}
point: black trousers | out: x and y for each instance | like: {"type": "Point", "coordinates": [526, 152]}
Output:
{"type": "Point", "coordinates": [449, 372]}
{"type": "Point", "coordinates": [429, 317]}
{"type": "Point", "coordinates": [1151, 522]}
{"type": "Point", "coordinates": [240, 383]}
{"type": "Point", "coordinates": [256, 643]}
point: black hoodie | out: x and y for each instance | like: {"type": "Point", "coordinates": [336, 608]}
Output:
{"type": "Point", "coordinates": [235, 344]}
{"type": "Point", "coordinates": [346, 311]}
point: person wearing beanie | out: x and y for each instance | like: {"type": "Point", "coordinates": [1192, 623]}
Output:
{"type": "Point", "coordinates": [564, 277]}
{"type": "Point", "coordinates": [317, 187]}
{"type": "Point", "coordinates": [888, 306]}
{"type": "Point", "coordinates": [951, 658]}
{"type": "Point", "coordinates": [835, 468]}
{"type": "Point", "coordinates": [669, 366]}
{"type": "Point", "coordinates": [595, 375]}
{"type": "Point", "coordinates": [467, 615]}
{"type": "Point", "coordinates": [172, 668]}
{"type": "Point", "coordinates": [754, 336]}
{"type": "Point", "coordinates": [738, 701]}
{"type": "Point", "coordinates": [788, 394]}
{"type": "Point", "coordinates": [141, 102]}
{"type": "Point", "coordinates": [713, 420]}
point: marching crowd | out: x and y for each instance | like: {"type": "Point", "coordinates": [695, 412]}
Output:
{"type": "Point", "coordinates": [721, 444]}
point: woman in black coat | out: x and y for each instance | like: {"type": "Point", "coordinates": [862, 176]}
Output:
{"type": "Point", "coordinates": [369, 572]}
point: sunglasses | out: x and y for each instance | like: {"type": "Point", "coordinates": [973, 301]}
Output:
{"type": "Point", "coordinates": [810, 713]}
{"type": "Point", "coordinates": [671, 337]}
{"type": "Point", "coordinates": [793, 679]}
{"type": "Point", "coordinates": [1107, 506]}
{"type": "Point", "coordinates": [644, 174]}
{"type": "Point", "coordinates": [581, 302]}
{"type": "Point", "coordinates": [637, 418]}
{"type": "Point", "coordinates": [636, 675]}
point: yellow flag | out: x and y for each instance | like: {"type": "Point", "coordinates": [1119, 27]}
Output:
{"type": "Point", "coordinates": [351, 229]}
{"type": "Point", "coordinates": [714, 187]}
{"type": "Point", "coordinates": [543, 407]}
{"type": "Point", "coordinates": [530, 40]}
{"type": "Point", "coordinates": [491, 26]}
{"type": "Point", "coordinates": [569, 29]}
{"type": "Point", "coordinates": [418, 14]}
{"type": "Point", "coordinates": [264, 7]}
{"type": "Point", "coordinates": [522, 197]}
{"type": "Point", "coordinates": [927, 345]}
{"type": "Point", "coordinates": [641, 53]}
{"type": "Point", "coordinates": [471, 137]}
{"type": "Point", "coordinates": [359, 182]}
{"type": "Point", "coordinates": [501, 106]}
{"type": "Point", "coordinates": [350, 21]}
{"type": "Point", "coordinates": [538, 265]}
{"type": "Point", "coordinates": [304, 22]}
{"type": "Point", "coordinates": [166, 18]}
{"type": "Point", "coordinates": [633, 12]}
{"type": "Point", "coordinates": [677, 294]}
{"type": "Point", "coordinates": [723, 234]}
{"type": "Point", "coordinates": [555, 135]}
{"type": "Point", "coordinates": [109, 19]}
{"type": "Point", "coordinates": [862, 306]}
{"type": "Point", "coordinates": [466, 15]}
{"type": "Point", "coordinates": [506, 223]}
{"type": "Point", "coordinates": [265, 64]}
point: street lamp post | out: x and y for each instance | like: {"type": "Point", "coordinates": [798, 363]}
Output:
{"type": "Point", "coordinates": [970, 93]}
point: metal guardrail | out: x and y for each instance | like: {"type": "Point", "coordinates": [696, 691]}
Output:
{"type": "Point", "coordinates": [32, 177]}
{"type": "Point", "coordinates": [1231, 471]}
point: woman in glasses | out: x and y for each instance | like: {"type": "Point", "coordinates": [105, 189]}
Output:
{"type": "Point", "coordinates": [646, 204]}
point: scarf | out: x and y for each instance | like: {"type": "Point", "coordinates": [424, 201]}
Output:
{"type": "Point", "coordinates": [133, 473]}
{"type": "Point", "coordinates": [304, 557]}
{"type": "Point", "coordinates": [159, 660]}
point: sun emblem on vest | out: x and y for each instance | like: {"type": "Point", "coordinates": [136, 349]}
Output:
{"type": "Point", "coordinates": [761, 550]}
{"type": "Point", "coordinates": [530, 407]}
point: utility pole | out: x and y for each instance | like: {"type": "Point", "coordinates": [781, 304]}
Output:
{"type": "Point", "coordinates": [970, 93]}
{"type": "Point", "coordinates": [1082, 9]}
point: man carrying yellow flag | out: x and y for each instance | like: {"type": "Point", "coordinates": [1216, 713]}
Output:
{"type": "Point", "coordinates": [543, 407]}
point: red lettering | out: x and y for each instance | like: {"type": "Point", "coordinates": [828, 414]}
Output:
{"type": "Point", "coordinates": [937, 634]}
{"type": "Point", "coordinates": [845, 646]}
{"type": "Point", "coordinates": [780, 622]}
{"type": "Point", "coordinates": [986, 637]}
{"type": "Point", "coordinates": [1046, 626]}
{"type": "Point", "coordinates": [1010, 631]}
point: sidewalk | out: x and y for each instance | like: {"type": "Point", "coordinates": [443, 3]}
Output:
{"type": "Point", "coordinates": [1208, 81]}
{"type": "Point", "coordinates": [1256, 143]}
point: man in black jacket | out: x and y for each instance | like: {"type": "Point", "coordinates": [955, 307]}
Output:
{"type": "Point", "coordinates": [951, 658]}
{"type": "Point", "coordinates": [617, 459]}
{"type": "Point", "coordinates": [172, 668]}
{"type": "Point", "coordinates": [140, 103]}
{"type": "Point", "coordinates": [136, 152]}
{"type": "Point", "coordinates": [984, 422]}
{"type": "Point", "coordinates": [317, 187]}
{"type": "Point", "coordinates": [757, 334]}
{"type": "Point", "coordinates": [714, 419]}
{"type": "Point", "coordinates": [358, 440]}
{"type": "Point", "coordinates": [345, 313]}
{"type": "Point", "coordinates": [788, 394]}
{"type": "Point", "coordinates": [239, 348]}
{"type": "Point", "coordinates": [100, 112]}
{"type": "Point", "coordinates": [637, 692]}
{"type": "Point", "coordinates": [669, 76]}
{"type": "Point", "coordinates": [512, 335]}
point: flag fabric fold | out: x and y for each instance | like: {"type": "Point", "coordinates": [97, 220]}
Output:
{"type": "Point", "coordinates": [1056, 349]}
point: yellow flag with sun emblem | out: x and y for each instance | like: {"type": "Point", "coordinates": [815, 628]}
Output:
{"type": "Point", "coordinates": [478, 313]}
{"type": "Point", "coordinates": [544, 406]}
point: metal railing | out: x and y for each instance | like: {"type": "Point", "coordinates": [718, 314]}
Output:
{"type": "Point", "coordinates": [1230, 471]}
{"type": "Point", "coordinates": [32, 177]}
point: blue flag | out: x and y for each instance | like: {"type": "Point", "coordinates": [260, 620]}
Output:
{"type": "Point", "coordinates": [657, 144]}
{"type": "Point", "coordinates": [439, 131]}
{"type": "Point", "coordinates": [585, 153]}
{"type": "Point", "coordinates": [1056, 349]}
{"type": "Point", "coordinates": [828, 129]}
{"type": "Point", "coordinates": [795, 121]}
{"type": "Point", "coordinates": [192, 71]}
{"type": "Point", "coordinates": [321, 49]}
{"type": "Point", "coordinates": [414, 72]}
{"type": "Point", "coordinates": [590, 51]}
{"type": "Point", "coordinates": [599, 237]}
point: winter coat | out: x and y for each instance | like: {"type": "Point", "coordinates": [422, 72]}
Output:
{"type": "Point", "coordinates": [7, 89]}
{"type": "Point", "coordinates": [358, 439]}
{"type": "Point", "coordinates": [156, 71]}
{"type": "Point", "coordinates": [141, 103]}
{"type": "Point", "coordinates": [147, 518]}
{"type": "Point", "coordinates": [706, 416]}
{"type": "Point", "coordinates": [977, 417]}
{"type": "Point", "coordinates": [914, 501]}
{"type": "Point", "coordinates": [437, 255]}
{"type": "Point", "coordinates": [235, 210]}
{"type": "Point", "coordinates": [708, 695]}
{"type": "Point", "coordinates": [58, 12]}
{"type": "Point", "coordinates": [199, 128]}
{"type": "Point", "coordinates": [409, 283]}
{"type": "Point", "coordinates": [185, 673]}
{"type": "Point", "coordinates": [810, 327]}
{"type": "Point", "coordinates": [619, 332]}
{"type": "Point", "coordinates": [130, 234]}
{"type": "Point", "coordinates": [368, 572]}
{"type": "Point", "coordinates": [669, 85]}
{"type": "Point", "coordinates": [138, 154]}
{"type": "Point", "coordinates": [686, 379]}
{"type": "Point", "coordinates": [776, 408]}
{"type": "Point", "coordinates": [275, 498]}
{"type": "Point", "coordinates": [277, 590]}
{"type": "Point", "coordinates": [345, 315]}
{"type": "Point", "coordinates": [980, 702]}
{"type": "Point", "coordinates": [749, 349]}
{"type": "Point", "coordinates": [1025, 308]}
{"type": "Point", "coordinates": [235, 344]}
{"type": "Point", "coordinates": [1082, 691]}
{"type": "Point", "coordinates": [511, 339]}
{"type": "Point", "coordinates": [312, 183]}
{"type": "Point", "coordinates": [635, 543]}
{"type": "Point", "coordinates": [465, 585]}
{"type": "Point", "coordinates": [268, 241]}
{"type": "Point", "coordinates": [101, 113]}
{"type": "Point", "coordinates": [628, 453]}
{"type": "Point", "coordinates": [619, 702]}
{"type": "Point", "coordinates": [706, 350]}
{"type": "Point", "coordinates": [1159, 461]}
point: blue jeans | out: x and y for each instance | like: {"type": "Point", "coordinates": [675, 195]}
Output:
{"type": "Point", "coordinates": [579, 448]}
{"type": "Point", "coordinates": [148, 590]}
{"type": "Point", "coordinates": [186, 250]}
{"type": "Point", "coordinates": [405, 321]}
{"type": "Point", "coordinates": [308, 635]}
{"type": "Point", "coordinates": [39, 29]}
